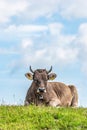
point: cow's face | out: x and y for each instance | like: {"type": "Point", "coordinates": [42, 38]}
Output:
{"type": "Point", "coordinates": [40, 78]}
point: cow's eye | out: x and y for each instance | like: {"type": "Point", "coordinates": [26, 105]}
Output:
{"type": "Point", "coordinates": [37, 81]}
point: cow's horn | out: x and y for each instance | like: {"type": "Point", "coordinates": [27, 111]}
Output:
{"type": "Point", "coordinates": [50, 70]}
{"type": "Point", "coordinates": [31, 70]}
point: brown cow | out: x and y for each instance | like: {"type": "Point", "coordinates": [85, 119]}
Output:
{"type": "Point", "coordinates": [49, 93]}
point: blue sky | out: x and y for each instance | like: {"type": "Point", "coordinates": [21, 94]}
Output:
{"type": "Point", "coordinates": [42, 33]}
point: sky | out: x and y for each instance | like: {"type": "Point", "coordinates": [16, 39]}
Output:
{"type": "Point", "coordinates": [42, 33]}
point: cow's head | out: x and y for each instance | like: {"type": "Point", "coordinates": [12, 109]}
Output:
{"type": "Point", "coordinates": [40, 78]}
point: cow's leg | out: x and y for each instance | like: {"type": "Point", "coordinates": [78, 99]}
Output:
{"type": "Point", "coordinates": [54, 103]}
{"type": "Point", "coordinates": [74, 102]}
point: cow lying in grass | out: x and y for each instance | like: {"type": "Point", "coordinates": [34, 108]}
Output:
{"type": "Point", "coordinates": [49, 93]}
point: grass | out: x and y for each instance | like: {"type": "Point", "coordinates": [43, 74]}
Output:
{"type": "Point", "coordinates": [42, 118]}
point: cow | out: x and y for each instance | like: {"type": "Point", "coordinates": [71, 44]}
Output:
{"type": "Point", "coordinates": [55, 94]}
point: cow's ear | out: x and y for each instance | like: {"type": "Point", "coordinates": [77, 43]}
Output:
{"type": "Point", "coordinates": [52, 76]}
{"type": "Point", "coordinates": [29, 76]}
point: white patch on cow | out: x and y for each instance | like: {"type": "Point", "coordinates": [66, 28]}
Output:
{"type": "Point", "coordinates": [40, 97]}
{"type": "Point", "coordinates": [54, 103]}
{"type": "Point", "coordinates": [38, 91]}
{"type": "Point", "coordinates": [45, 91]}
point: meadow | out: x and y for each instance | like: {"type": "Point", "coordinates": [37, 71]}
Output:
{"type": "Point", "coordinates": [42, 118]}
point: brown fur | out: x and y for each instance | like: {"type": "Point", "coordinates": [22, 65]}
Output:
{"type": "Point", "coordinates": [57, 93]}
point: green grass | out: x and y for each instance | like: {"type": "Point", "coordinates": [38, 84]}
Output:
{"type": "Point", "coordinates": [42, 118]}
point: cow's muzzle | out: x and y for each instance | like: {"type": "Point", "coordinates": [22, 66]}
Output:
{"type": "Point", "coordinates": [41, 90]}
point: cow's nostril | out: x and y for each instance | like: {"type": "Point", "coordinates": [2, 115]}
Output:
{"type": "Point", "coordinates": [41, 89]}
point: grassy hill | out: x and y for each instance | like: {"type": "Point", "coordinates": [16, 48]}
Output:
{"type": "Point", "coordinates": [42, 118]}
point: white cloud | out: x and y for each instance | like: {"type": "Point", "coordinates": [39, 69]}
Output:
{"type": "Point", "coordinates": [26, 43]}
{"type": "Point", "coordinates": [60, 52]}
{"type": "Point", "coordinates": [55, 28]}
{"type": "Point", "coordinates": [57, 48]}
{"type": "Point", "coordinates": [67, 9]}
{"type": "Point", "coordinates": [34, 9]}
{"type": "Point", "coordinates": [29, 9]}
{"type": "Point", "coordinates": [73, 9]}
{"type": "Point", "coordinates": [49, 56]}
{"type": "Point", "coordinates": [20, 32]}
{"type": "Point", "coordinates": [66, 55]}
{"type": "Point", "coordinates": [82, 35]}
{"type": "Point", "coordinates": [81, 42]}
{"type": "Point", "coordinates": [10, 8]}
{"type": "Point", "coordinates": [26, 28]}
{"type": "Point", "coordinates": [41, 8]}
